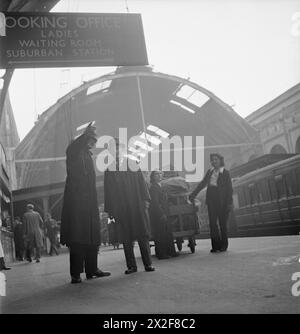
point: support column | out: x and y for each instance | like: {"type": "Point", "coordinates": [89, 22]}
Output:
{"type": "Point", "coordinates": [45, 210]}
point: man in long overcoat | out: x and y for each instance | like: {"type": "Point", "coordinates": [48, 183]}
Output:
{"type": "Point", "coordinates": [33, 235]}
{"type": "Point", "coordinates": [80, 221]}
{"type": "Point", "coordinates": [126, 199]}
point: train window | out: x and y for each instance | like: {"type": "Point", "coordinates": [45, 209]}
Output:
{"type": "Point", "coordinates": [264, 190]}
{"type": "Point", "coordinates": [253, 193]}
{"type": "Point", "coordinates": [280, 186]}
{"type": "Point", "coordinates": [241, 197]}
{"type": "Point", "coordinates": [246, 196]}
{"type": "Point", "coordinates": [272, 189]}
{"type": "Point", "coordinates": [236, 202]}
{"type": "Point", "coordinates": [290, 184]}
{"type": "Point", "coordinates": [297, 172]}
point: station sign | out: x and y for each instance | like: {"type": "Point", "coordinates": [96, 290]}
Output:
{"type": "Point", "coordinates": [71, 39]}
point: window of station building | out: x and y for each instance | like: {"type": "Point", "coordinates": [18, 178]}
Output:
{"type": "Point", "coordinates": [101, 86]}
{"type": "Point", "coordinates": [2, 158]}
{"type": "Point", "coordinates": [158, 131]}
{"type": "Point", "coordinates": [192, 95]}
{"type": "Point", "coordinates": [278, 127]}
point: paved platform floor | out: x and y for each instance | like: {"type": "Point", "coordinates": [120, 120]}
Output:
{"type": "Point", "coordinates": [254, 276]}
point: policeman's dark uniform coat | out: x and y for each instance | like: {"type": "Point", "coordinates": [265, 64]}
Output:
{"type": "Point", "coordinates": [80, 221]}
{"type": "Point", "coordinates": [161, 230]}
{"type": "Point", "coordinates": [219, 202]}
{"type": "Point", "coordinates": [125, 193]}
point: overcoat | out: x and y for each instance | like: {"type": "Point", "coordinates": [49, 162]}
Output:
{"type": "Point", "coordinates": [80, 220]}
{"type": "Point", "coordinates": [32, 227]}
{"type": "Point", "coordinates": [1, 248]}
{"type": "Point", "coordinates": [125, 194]}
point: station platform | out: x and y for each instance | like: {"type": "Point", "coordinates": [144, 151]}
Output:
{"type": "Point", "coordinates": [253, 276]}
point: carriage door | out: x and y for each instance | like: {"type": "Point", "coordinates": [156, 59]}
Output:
{"type": "Point", "coordinates": [282, 198]}
{"type": "Point", "coordinates": [254, 202]}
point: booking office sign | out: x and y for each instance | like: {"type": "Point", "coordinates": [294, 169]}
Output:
{"type": "Point", "coordinates": [71, 39]}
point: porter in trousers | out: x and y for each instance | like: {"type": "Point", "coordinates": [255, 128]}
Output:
{"type": "Point", "coordinates": [127, 200]}
{"type": "Point", "coordinates": [80, 221]}
{"type": "Point", "coordinates": [161, 229]}
{"type": "Point", "coordinates": [218, 200]}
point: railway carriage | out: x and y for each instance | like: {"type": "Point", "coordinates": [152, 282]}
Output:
{"type": "Point", "coordinates": [266, 201]}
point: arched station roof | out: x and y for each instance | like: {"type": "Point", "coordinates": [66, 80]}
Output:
{"type": "Point", "coordinates": [170, 103]}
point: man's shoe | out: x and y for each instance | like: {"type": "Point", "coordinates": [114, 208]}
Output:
{"type": "Point", "coordinates": [149, 268]}
{"type": "Point", "coordinates": [214, 250]}
{"type": "Point", "coordinates": [29, 260]}
{"type": "Point", "coordinates": [37, 261]}
{"type": "Point", "coordinates": [6, 268]}
{"type": "Point", "coordinates": [75, 279]}
{"type": "Point", "coordinates": [98, 273]}
{"type": "Point", "coordinates": [130, 271]}
{"type": "Point", "coordinates": [223, 250]}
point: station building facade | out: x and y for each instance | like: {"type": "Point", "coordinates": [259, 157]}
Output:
{"type": "Point", "coordinates": [278, 123]}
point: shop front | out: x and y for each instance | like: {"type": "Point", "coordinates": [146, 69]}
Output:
{"type": "Point", "coordinates": [6, 214]}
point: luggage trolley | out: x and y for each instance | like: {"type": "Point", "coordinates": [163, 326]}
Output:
{"type": "Point", "coordinates": [183, 218]}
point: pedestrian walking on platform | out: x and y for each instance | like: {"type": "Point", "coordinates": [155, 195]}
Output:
{"type": "Point", "coordinates": [52, 230]}
{"type": "Point", "coordinates": [80, 221]}
{"type": "Point", "coordinates": [19, 239]}
{"type": "Point", "coordinates": [218, 200]}
{"type": "Point", "coordinates": [33, 235]}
